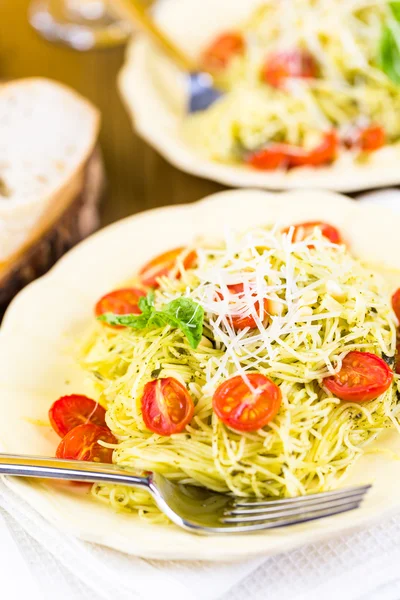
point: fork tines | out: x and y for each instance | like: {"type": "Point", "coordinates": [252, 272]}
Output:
{"type": "Point", "coordinates": [287, 511]}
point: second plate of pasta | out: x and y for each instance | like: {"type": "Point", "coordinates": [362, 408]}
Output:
{"type": "Point", "coordinates": [311, 93]}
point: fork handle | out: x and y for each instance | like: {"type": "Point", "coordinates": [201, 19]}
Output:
{"type": "Point", "coordinates": [134, 12]}
{"type": "Point", "coordinates": [71, 470]}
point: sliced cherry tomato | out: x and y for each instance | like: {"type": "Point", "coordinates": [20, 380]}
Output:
{"type": "Point", "coordinates": [120, 302]}
{"type": "Point", "coordinates": [239, 321]}
{"type": "Point", "coordinates": [277, 156]}
{"type": "Point", "coordinates": [244, 408]}
{"type": "Point", "coordinates": [283, 65]}
{"type": "Point", "coordinates": [81, 443]}
{"type": "Point", "coordinates": [396, 303]}
{"type": "Point", "coordinates": [222, 49]}
{"type": "Point", "coordinates": [324, 153]}
{"type": "Point", "coordinates": [368, 139]}
{"type": "Point", "coordinates": [167, 407]}
{"type": "Point", "coordinates": [363, 377]}
{"type": "Point", "coordinates": [372, 138]}
{"type": "Point", "coordinates": [304, 230]}
{"type": "Point", "coordinates": [164, 264]}
{"type": "Point", "coordinates": [70, 411]}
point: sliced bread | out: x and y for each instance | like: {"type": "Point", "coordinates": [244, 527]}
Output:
{"type": "Point", "coordinates": [47, 134]}
{"type": "Point", "coordinates": [51, 178]}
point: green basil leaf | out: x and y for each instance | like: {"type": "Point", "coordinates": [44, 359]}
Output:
{"type": "Point", "coordinates": [181, 313]}
{"type": "Point", "coordinates": [395, 7]}
{"type": "Point", "coordinates": [146, 303]}
{"type": "Point", "coordinates": [389, 54]}
{"type": "Point", "coordinates": [133, 321]}
{"type": "Point", "coordinates": [188, 316]}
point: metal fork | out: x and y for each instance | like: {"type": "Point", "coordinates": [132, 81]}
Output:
{"type": "Point", "coordinates": [195, 509]}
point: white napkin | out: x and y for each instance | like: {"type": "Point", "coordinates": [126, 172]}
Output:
{"type": "Point", "coordinates": [17, 577]}
{"type": "Point", "coordinates": [360, 566]}
{"type": "Point", "coordinates": [98, 572]}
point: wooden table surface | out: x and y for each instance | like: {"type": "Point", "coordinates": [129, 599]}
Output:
{"type": "Point", "coordinates": [138, 177]}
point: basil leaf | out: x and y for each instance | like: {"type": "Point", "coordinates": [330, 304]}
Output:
{"type": "Point", "coordinates": [188, 316]}
{"type": "Point", "coordinates": [395, 8]}
{"type": "Point", "coordinates": [146, 303]}
{"type": "Point", "coordinates": [181, 313]}
{"type": "Point", "coordinates": [389, 54]}
{"type": "Point", "coordinates": [133, 321]}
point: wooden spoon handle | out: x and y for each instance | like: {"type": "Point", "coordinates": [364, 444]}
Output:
{"type": "Point", "coordinates": [133, 11]}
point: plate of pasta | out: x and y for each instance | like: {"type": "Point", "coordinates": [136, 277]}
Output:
{"type": "Point", "coordinates": [310, 92]}
{"type": "Point", "coordinates": [251, 352]}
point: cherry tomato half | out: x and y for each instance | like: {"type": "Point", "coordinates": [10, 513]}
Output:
{"type": "Point", "coordinates": [164, 264]}
{"type": "Point", "coordinates": [363, 377]}
{"type": "Point", "coordinates": [283, 65]}
{"type": "Point", "coordinates": [246, 409]}
{"type": "Point", "coordinates": [167, 406]}
{"type": "Point", "coordinates": [368, 139]}
{"type": "Point", "coordinates": [81, 443]}
{"type": "Point", "coordinates": [324, 153]}
{"type": "Point", "coordinates": [396, 303]}
{"type": "Point", "coordinates": [239, 321]}
{"type": "Point", "coordinates": [304, 230]}
{"type": "Point", "coordinates": [277, 156]}
{"type": "Point", "coordinates": [70, 411]}
{"type": "Point", "coordinates": [221, 50]}
{"type": "Point", "coordinates": [120, 302]}
{"type": "Point", "coordinates": [372, 138]}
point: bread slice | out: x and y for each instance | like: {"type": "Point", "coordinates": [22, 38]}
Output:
{"type": "Point", "coordinates": [48, 136]}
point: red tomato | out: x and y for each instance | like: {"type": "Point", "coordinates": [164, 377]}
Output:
{"type": "Point", "coordinates": [324, 153]}
{"type": "Point", "coordinates": [164, 264]}
{"type": "Point", "coordinates": [293, 63]}
{"type": "Point", "coordinates": [372, 138]}
{"type": "Point", "coordinates": [363, 377]}
{"type": "Point", "coordinates": [275, 156]}
{"type": "Point", "coordinates": [285, 156]}
{"type": "Point", "coordinates": [81, 444]}
{"type": "Point", "coordinates": [120, 302]}
{"type": "Point", "coordinates": [246, 409]}
{"type": "Point", "coordinates": [167, 406]}
{"type": "Point", "coordinates": [70, 411]}
{"type": "Point", "coordinates": [239, 321]}
{"type": "Point", "coordinates": [221, 50]}
{"type": "Point", "coordinates": [367, 139]}
{"type": "Point", "coordinates": [303, 230]}
{"type": "Point", "coordinates": [396, 303]}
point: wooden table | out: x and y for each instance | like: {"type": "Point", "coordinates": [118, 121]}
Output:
{"type": "Point", "coordinates": [139, 178]}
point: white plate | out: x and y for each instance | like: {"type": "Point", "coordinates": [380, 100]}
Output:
{"type": "Point", "coordinates": [45, 318]}
{"type": "Point", "coordinates": [154, 94]}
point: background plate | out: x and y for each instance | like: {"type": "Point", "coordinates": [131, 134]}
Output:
{"type": "Point", "coordinates": [154, 92]}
